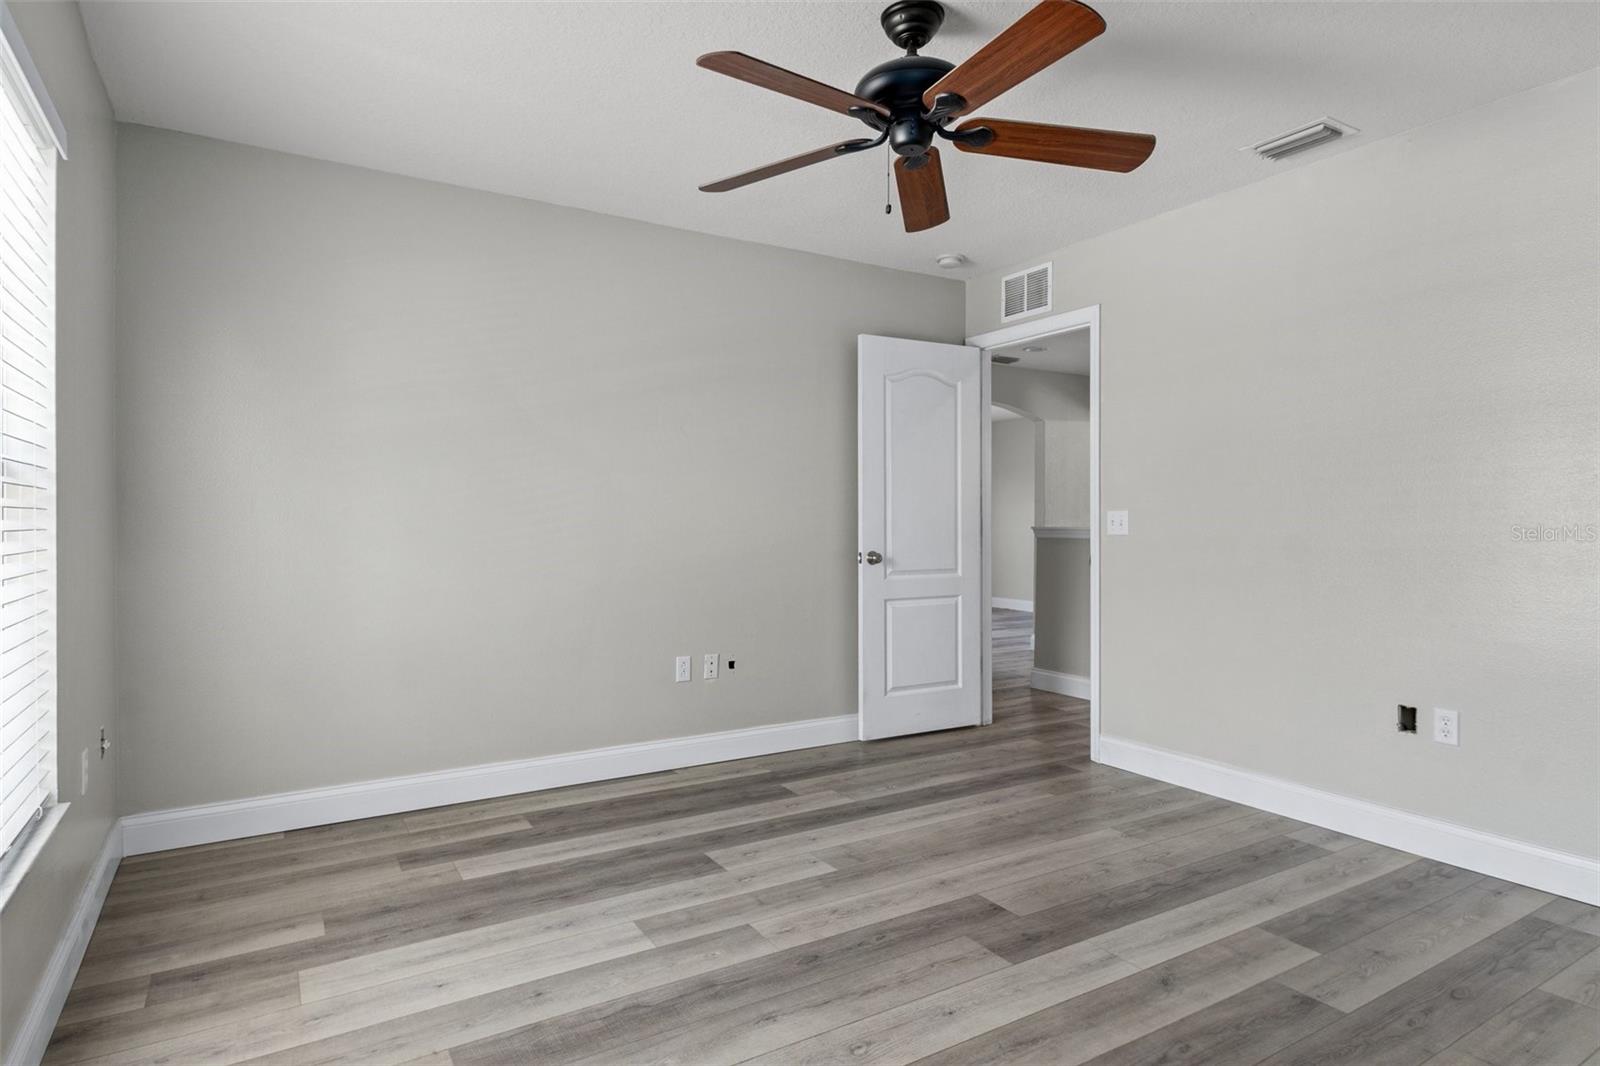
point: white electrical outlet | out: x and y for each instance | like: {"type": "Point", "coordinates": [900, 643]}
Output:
{"type": "Point", "coordinates": [1117, 523]}
{"type": "Point", "coordinates": [83, 773]}
{"type": "Point", "coordinates": [1447, 727]}
{"type": "Point", "coordinates": [708, 669]}
{"type": "Point", "coordinates": [683, 669]}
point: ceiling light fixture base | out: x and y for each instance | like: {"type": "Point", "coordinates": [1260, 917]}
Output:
{"type": "Point", "coordinates": [911, 24]}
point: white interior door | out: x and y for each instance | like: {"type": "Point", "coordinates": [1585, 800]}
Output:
{"type": "Point", "coordinates": [919, 419]}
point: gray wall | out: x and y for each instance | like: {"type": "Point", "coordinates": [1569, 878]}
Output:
{"type": "Point", "coordinates": [1061, 612]}
{"type": "Point", "coordinates": [1043, 394]}
{"type": "Point", "coordinates": [36, 916]}
{"type": "Point", "coordinates": [1059, 403]}
{"type": "Point", "coordinates": [1060, 591]}
{"type": "Point", "coordinates": [1011, 508]}
{"type": "Point", "coordinates": [1064, 474]}
{"type": "Point", "coordinates": [1061, 579]}
{"type": "Point", "coordinates": [415, 477]}
{"type": "Point", "coordinates": [1329, 399]}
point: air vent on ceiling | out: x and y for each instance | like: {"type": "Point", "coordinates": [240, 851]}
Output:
{"type": "Point", "coordinates": [1025, 292]}
{"type": "Point", "coordinates": [1298, 140]}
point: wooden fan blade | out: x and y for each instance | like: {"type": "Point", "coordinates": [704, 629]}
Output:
{"type": "Point", "coordinates": [756, 72]}
{"type": "Point", "coordinates": [922, 201]}
{"type": "Point", "coordinates": [1023, 49]}
{"type": "Point", "coordinates": [783, 166]}
{"type": "Point", "coordinates": [1070, 146]}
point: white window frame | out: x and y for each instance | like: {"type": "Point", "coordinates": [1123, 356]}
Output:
{"type": "Point", "coordinates": [32, 139]}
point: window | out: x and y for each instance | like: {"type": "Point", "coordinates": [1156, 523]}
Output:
{"type": "Point", "coordinates": [27, 445]}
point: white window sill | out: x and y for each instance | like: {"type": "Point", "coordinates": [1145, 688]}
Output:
{"type": "Point", "coordinates": [15, 866]}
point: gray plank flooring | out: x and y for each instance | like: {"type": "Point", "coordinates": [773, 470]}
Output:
{"type": "Point", "coordinates": [976, 896]}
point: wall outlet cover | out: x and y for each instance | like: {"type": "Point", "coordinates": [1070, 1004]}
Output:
{"type": "Point", "coordinates": [1117, 523]}
{"type": "Point", "coordinates": [1447, 727]}
{"type": "Point", "coordinates": [681, 669]}
{"type": "Point", "coordinates": [708, 669]}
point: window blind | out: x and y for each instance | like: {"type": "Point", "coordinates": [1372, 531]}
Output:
{"type": "Point", "coordinates": [27, 465]}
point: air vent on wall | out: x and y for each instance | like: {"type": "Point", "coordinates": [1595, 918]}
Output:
{"type": "Point", "coordinates": [1025, 292]}
{"type": "Point", "coordinates": [1298, 140]}
{"type": "Point", "coordinates": [1005, 360]}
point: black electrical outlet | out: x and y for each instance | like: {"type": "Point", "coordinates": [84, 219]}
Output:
{"type": "Point", "coordinates": [1407, 719]}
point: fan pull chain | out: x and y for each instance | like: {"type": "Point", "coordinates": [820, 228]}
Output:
{"type": "Point", "coordinates": [888, 162]}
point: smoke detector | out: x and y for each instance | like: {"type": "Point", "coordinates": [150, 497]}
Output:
{"type": "Point", "coordinates": [953, 261]}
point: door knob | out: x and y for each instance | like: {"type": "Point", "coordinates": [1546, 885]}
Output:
{"type": "Point", "coordinates": [873, 558]}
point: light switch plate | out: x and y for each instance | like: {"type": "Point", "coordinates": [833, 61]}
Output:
{"type": "Point", "coordinates": [1117, 523]}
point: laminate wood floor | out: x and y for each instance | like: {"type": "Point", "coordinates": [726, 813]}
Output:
{"type": "Point", "coordinates": [977, 896]}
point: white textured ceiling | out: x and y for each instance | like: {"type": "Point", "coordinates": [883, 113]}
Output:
{"type": "Point", "coordinates": [600, 105]}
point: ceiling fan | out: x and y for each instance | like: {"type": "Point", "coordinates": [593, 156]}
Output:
{"type": "Point", "coordinates": [911, 100]}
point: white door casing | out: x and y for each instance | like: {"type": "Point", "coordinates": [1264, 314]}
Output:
{"type": "Point", "coordinates": [919, 449]}
{"type": "Point", "coordinates": [1038, 329]}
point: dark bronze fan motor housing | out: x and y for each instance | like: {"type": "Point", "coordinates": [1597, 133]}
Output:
{"type": "Point", "coordinates": [899, 84]}
{"type": "Point", "coordinates": [911, 100]}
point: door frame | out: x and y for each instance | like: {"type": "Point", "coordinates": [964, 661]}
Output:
{"type": "Point", "coordinates": [1035, 329]}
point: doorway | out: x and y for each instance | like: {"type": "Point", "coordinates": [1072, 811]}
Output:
{"type": "Point", "coordinates": [926, 628]}
{"type": "Point", "coordinates": [1047, 372]}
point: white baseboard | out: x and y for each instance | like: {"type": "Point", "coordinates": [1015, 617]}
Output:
{"type": "Point", "coordinates": [1006, 604]}
{"type": "Point", "coordinates": [1511, 860]}
{"type": "Point", "coordinates": [186, 826]}
{"type": "Point", "coordinates": [33, 1035]}
{"type": "Point", "coordinates": [1065, 684]}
